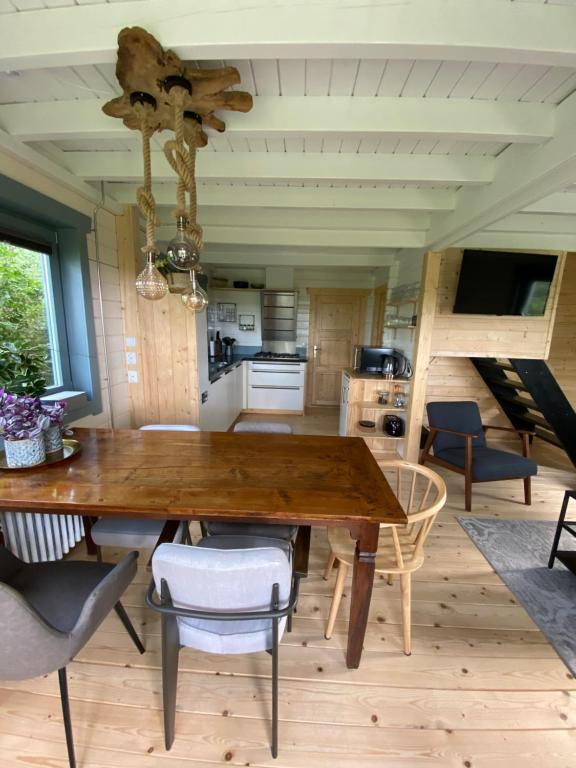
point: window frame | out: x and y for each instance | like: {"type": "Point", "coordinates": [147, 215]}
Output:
{"type": "Point", "coordinates": [35, 220]}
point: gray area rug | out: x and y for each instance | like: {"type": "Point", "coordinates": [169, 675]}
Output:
{"type": "Point", "coordinates": [518, 550]}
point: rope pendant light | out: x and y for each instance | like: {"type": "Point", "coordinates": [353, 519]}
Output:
{"type": "Point", "coordinates": [160, 92]}
{"type": "Point", "coordinates": [150, 284]}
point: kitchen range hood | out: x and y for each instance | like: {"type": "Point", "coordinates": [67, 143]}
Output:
{"type": "Point", "coordinates": [279, 313]}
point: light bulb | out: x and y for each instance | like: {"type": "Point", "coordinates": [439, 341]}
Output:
{"type": "Point", "coordinates": [182, 252]}
{"type": "Point", "coordinates": [150, 284]}
{"type": "Point", "coordinates": [194, 297]}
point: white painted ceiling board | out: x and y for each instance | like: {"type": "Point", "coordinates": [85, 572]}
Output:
{"type": "Point", "coordinates": [446, 77]}
{"type": "Point", "coordinates": [472, 79]}
{"type": "Point", "coordinates": [394, 77]}
{"type": "Point", "coordinates": [266, 80]}
{"type": "Point", "coordinates": [368, 77]}
{"type": "Point", "coordinates": [497, 80]}
{"type": "Point", "coordinates": [318, 73]}
{"type": "Point", "coordinates": [525, 79]}
{"type": "Point", "coordinates": [292, 74]}
{"type": "Point", "coordinates": [421, 76]}
{"type": "Point", "coordinates": [553, 79]}
{"type": "Point", "coordinates": [343, 79]}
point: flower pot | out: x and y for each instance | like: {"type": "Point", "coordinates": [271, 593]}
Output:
{"type": "Point", "coordinates": [25, 453]}
{"type": "Point", "coordinates": [53, 438]}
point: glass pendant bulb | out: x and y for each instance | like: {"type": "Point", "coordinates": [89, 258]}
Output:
{"type": "Point", "coordinates": [150, 284]}
{"type": "Point", "coordinates": [194, 297]}
{"type": "Point", "coordinates": [182, 252]}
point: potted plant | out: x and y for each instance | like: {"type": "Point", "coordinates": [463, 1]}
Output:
{"type": "Point", "coordinates": [22, 422]}
{"type": "Point", "coordinates": [54, 427]}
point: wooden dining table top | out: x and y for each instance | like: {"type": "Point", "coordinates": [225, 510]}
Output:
{"type": "Point", "coordinates": [171, 475]}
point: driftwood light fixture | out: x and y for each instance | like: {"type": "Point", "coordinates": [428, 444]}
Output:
{"type": "Point", "coordinates": [161, 93]}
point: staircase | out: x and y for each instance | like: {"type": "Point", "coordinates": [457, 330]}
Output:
{"type": "Point", "coordinates": [530, 396]}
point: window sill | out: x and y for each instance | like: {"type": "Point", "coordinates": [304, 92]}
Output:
{"type": "Point", "coordinates": [78, 404]}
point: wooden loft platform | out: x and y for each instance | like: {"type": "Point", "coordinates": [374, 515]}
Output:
{"type": "Point", "coordinates": [482, 687]}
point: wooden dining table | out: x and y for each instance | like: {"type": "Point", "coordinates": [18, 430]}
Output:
{"type": "Point", "coordinates": [303, 480]}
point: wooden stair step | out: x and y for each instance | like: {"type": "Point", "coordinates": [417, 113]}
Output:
{"type": "Point", "coordinates": [506, 383]}
{"type": "Point", "coordinates": [494, 366]}
{"type": "Point", "coordinates": [539, 421]}
{"type": "Point", "coordinates": [548, 437]}
{"type": "Point", "coordinates": [525, 402]}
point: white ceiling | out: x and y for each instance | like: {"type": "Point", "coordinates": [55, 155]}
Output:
{"type": "Point", "coordinates": [460, 133]}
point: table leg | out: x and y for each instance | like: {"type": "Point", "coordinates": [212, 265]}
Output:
{"type": "Point", "coordinates": [362, 580]}
{"type": "Point", "coordinates": [302, 551]}
{"type": "Point", "coordinates": [91, 548]}
{"type": "Point", "coordinates": [167, 535]}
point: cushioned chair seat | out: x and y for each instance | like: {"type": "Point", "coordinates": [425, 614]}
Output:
{"type": "Point", "coordinates": [286, 532]}
{"type": "Point", "coordinates": [490, 463]}
{"type": "Point", "coordinates": [243, 541]}
{"type": "Point", "coordinates": [271, 427]}
{"type": "Point", "coordinates": [58, 590]}
{"type": "Point", "coordinates": [169, 428]}
{"type": "Point", "coordinates": [128, 532]}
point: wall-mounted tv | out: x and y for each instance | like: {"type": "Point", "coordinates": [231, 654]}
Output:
{"type": "Point", "coordinates": [501, 283]}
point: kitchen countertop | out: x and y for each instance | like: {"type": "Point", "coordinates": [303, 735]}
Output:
{"type": "Point", "coordinates": [217, 370]}
{"type": "Point", "coordinates": [354, 374]}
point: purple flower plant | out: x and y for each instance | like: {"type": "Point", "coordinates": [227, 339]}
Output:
{"type": "Point", "coordinates": [21, 418]}
{"type": "Point", "coordinates": [55, 413]}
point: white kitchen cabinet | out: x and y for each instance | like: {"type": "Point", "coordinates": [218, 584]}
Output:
{"type": "Point", "coordinates": [276, 386]}
{"type": "Point", "coordinates": [224, 403]}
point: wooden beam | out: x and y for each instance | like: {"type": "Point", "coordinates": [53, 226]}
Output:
{"type": "Point", "coordinates": [518, 240]}
{"type": "Point", "coordinates": [424, 200]}
{"type": "Point", "coordinates": [301, 218]}
{"type": "Point", "coordinates": [309, 116]}
{"type": "Point", "coordinates": [278, 167]}
{"type": "Point", "coordinates": [523, 175]}
{"type": "Point", "coordinates": [263, 256]}
{"type": "Point", "coordinates": [560, 203]}
{"type": "Point", "coordinates": [458, 30]}
{"type": "Point", "coordinates": [340, 238]}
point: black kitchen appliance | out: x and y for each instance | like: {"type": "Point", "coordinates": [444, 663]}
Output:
{"type": "Point", "coordinates": [382, 360]}
{"type": "Point", "coordinates": [394, 426]}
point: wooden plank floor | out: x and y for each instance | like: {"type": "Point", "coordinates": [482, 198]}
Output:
{"type": "Point", "coordinates": [482, 689]}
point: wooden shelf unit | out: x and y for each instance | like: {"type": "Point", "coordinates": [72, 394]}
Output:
{"type": "Point", "coordinates": [390, 328]}
{"type": "Point", "coordinates": [363, 404]}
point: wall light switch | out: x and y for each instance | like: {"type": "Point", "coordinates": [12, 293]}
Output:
{"type": "Point", "coordinates": [131, 358]}
{"type": "Point", "coordinates": [130, 341]}
{"type": "Point", "coordinates": [132, 377]}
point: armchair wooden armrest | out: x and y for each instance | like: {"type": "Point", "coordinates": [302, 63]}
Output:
{"type": "Point", "coordinates": [485, 427]}
{"type": "Point", "coordinates": [452, 432]}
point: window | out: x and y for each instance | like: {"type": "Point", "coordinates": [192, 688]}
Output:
{"type": "Point", "coordinates": [28, 307]}
{"type": "Point", "coordinates": [46, 303]}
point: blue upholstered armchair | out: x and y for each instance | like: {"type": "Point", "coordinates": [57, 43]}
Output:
{"type": "Point", "coordinates": [458, 440]}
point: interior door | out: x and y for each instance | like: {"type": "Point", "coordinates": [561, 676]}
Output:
{"type": "Point", "coordinates": [336, 326]}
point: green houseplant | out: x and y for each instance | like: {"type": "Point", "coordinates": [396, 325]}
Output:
{"type": "Point", "coordinates": [22, 372]}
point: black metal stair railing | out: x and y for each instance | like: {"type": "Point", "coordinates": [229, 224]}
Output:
{"type": "Point", "coordinates": [532, 400]}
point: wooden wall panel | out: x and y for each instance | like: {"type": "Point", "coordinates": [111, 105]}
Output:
{"type": "Point", "coordinates": [486, 335]}
{"type": "Point", "coordinates": [165, 333]}
{"type": "Point", "coordinates": [562, 360]}
{"type": "Point", "coordinates": [443, 370]}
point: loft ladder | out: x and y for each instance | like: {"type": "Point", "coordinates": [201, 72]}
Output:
{"type": "Point", "coordinates": [530, 396]}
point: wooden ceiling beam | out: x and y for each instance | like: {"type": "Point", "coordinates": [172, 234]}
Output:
{"type": "Point", "coordinates": [371, 199]}
{"type": "Point", "coordinates": [310, 116]}
{"type": "Point", "coordinates": [458, 30]}
{"type": "Point", "coordinates": [279, 167]}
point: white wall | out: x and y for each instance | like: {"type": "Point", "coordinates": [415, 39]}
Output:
{"type": "Point", "coordinates": [15, 169]}
{"type": "Point", "coordinates": [404, 281]}
{"type": "Point", "coordinates": [247, 303]}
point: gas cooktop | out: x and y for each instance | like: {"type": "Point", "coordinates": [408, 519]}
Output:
{"type": "Point", "coordinates": [278, 355]}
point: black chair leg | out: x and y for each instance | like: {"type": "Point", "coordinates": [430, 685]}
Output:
{"type": "Point", "coordinates": [98, 553]}
{"type": "Point", "coordinates": [128, 626]}
{"type": "Point", "coordinates": [170, 654]}
{"type": "Point", "coordinates": [66, 715]}
{"type": "Point", "coordinates": [558, 531]}
{"type": "Point", "coordinates": [274, 688]}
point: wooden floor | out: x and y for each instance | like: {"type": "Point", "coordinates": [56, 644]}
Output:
{"type": "Point", "coordinates": [482, 689]}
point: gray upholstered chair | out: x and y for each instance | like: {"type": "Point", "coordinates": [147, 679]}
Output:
{"type": "Point", "coordinates": [137, 533]}
{"type": "Point", "coordinates": [269, 427]}
{"type": "Point", "coordinates": [280, 531]}
{"type": "Point", "coordinates": [458, 439]}
{"type": "Point", "coordinates": [50, 611]}
{"type": "Point", "coordinates": [224, 601]}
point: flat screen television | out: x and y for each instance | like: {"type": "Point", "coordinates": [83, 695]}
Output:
{"type": "Point", "coordinates": [501, 283]}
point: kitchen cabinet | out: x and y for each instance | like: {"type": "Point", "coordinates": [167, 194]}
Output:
{"type": "Point", "coordinates": [274, 385]}
{"type": "Point", "coordinates": [224, 403]}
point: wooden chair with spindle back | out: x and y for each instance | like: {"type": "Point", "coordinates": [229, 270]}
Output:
{"type": "Point", "coordinates": [422, 494]}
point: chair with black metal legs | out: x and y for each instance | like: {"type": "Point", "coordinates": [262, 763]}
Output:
{"type": "Point", "coordinates": [50, 611]}
{"type": "Point", "coordinates": [566, 556]}
{"type": "Point", "coordinates": [220, 601]}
